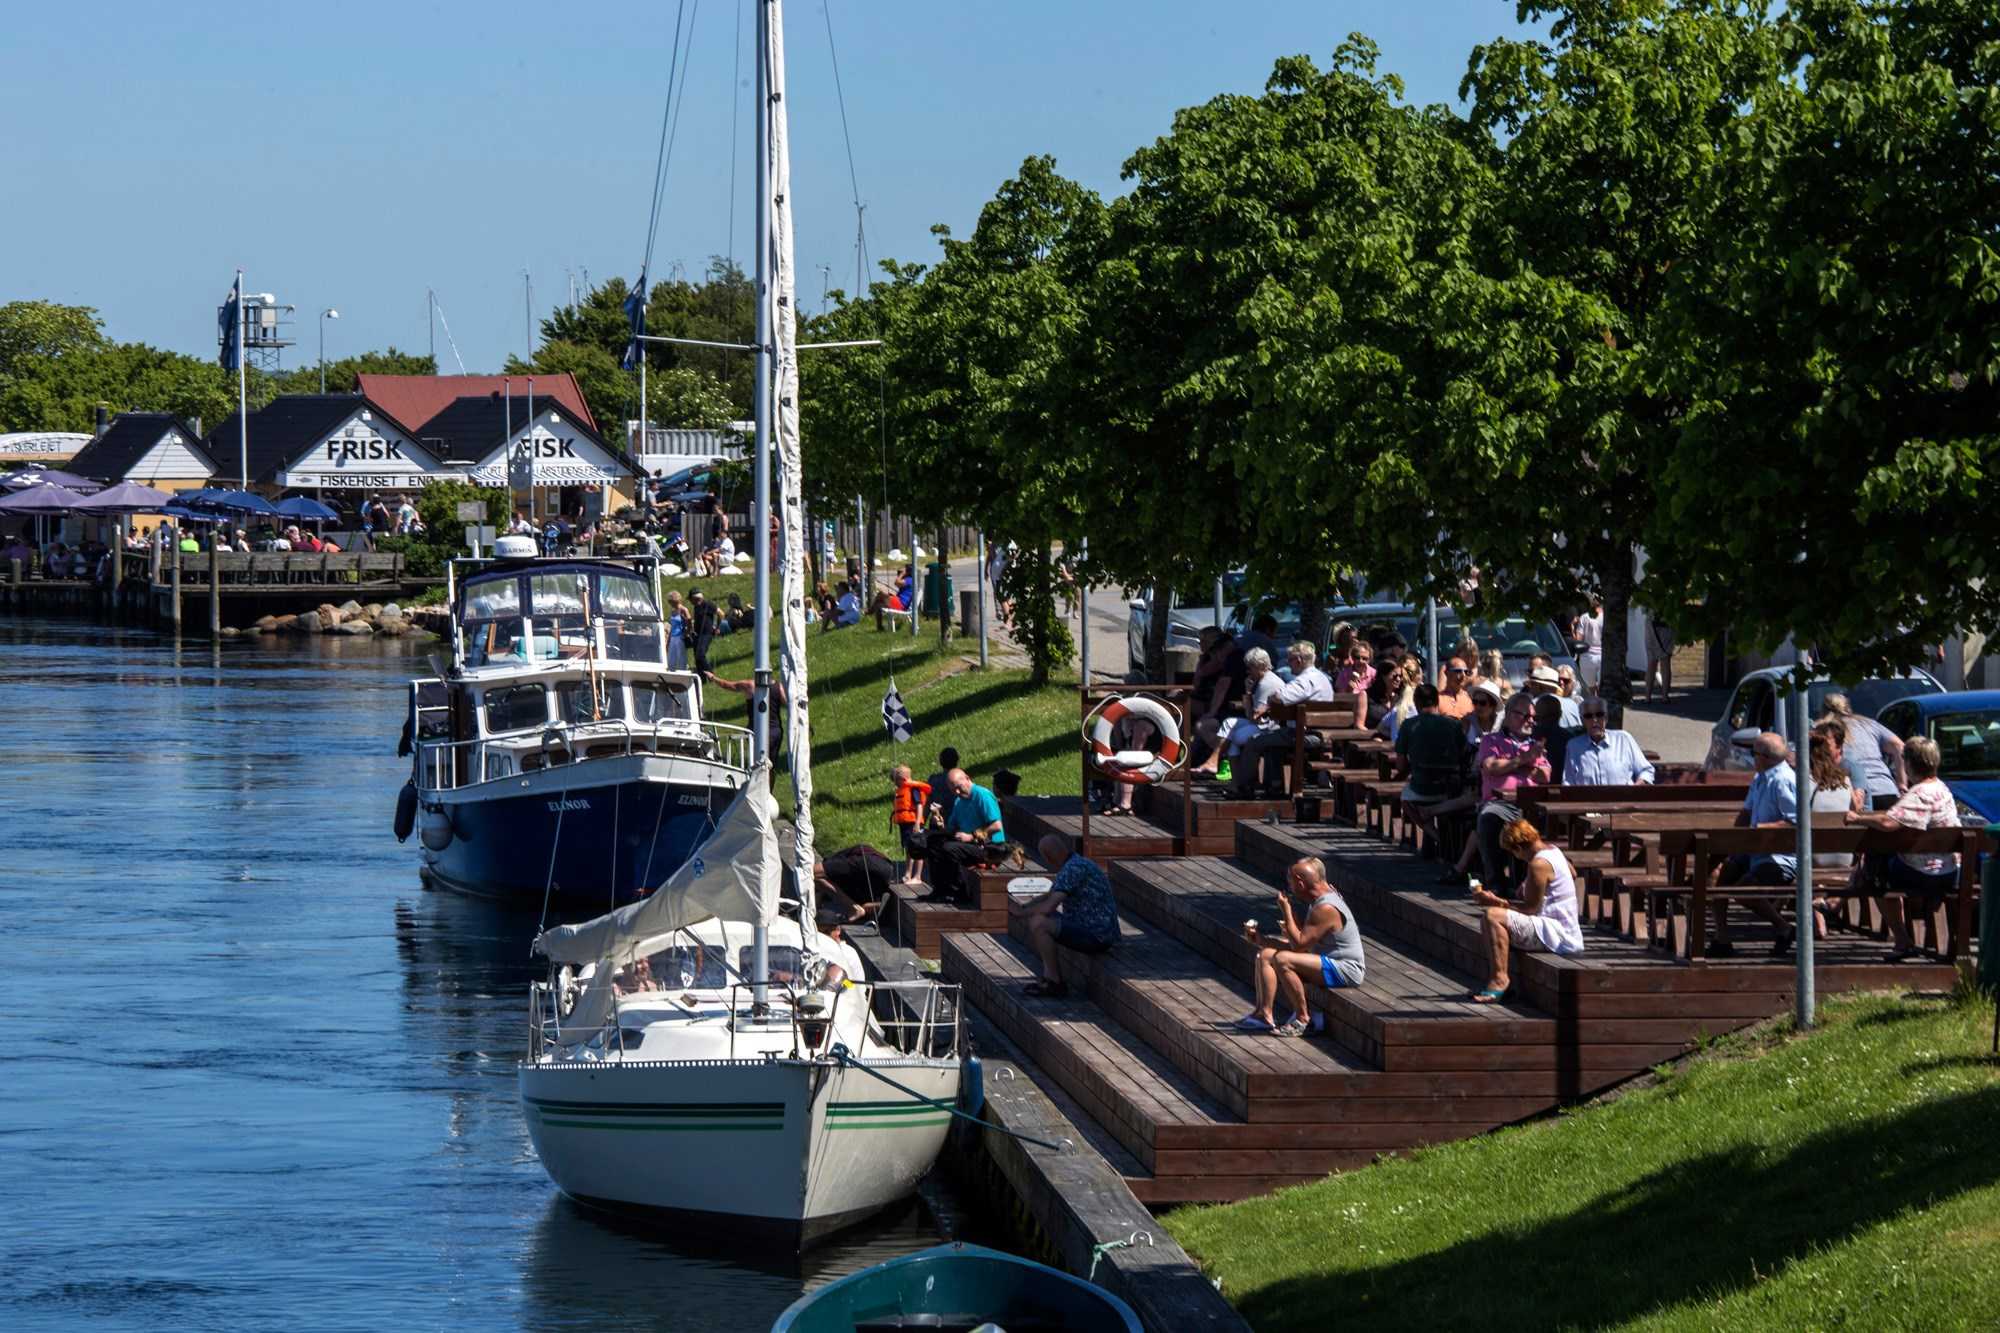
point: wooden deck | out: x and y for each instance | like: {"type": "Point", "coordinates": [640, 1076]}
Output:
{"type": "Point", "coordinates": [1146, 1045]}
{"type": "Point", "coordinates": [1029, 818]}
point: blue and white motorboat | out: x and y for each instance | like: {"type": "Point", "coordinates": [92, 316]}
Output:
{"type": "Point", "coordinates": [560, 758]}
{"type": "Point", "coordinates": [962, 1288]}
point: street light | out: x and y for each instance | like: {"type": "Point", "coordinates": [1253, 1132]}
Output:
{"type": "Point", "coordinates": [324, 316]}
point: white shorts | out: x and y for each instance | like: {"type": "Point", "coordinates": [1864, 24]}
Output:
{"type": "Point", "coordinates": [1590, 669]}
{"type": "Point", "coordinates": [1537, 934]}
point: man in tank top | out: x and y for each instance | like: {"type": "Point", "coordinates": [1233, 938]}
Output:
{"type": "Point", "coordinates": [1324, 947]}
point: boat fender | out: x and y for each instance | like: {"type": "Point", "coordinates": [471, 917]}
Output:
{"type": "Point", "coordinates": [406, 811]}
{"type": "Point", "coordinates": [435, 828]}
{"type": "Point", "coordinates": [972, 1087]}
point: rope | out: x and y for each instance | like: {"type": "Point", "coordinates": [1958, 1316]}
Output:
{"type": "Point", "coordinates": [735, 114]}
{"type": "Point", "coordinates": [1097, 1252]}
{"type": "Point", "coordinates": [549, 881]}
{"type": "Point", "coordinates": [839, 1053]}
{"type": "Point", "coordinates": [663, 157]}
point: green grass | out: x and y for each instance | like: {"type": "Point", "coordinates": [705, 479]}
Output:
{"type": "Point", "coordinates": [994, 718]}
{"type": "Point", "coordinates": [1846, 1179]}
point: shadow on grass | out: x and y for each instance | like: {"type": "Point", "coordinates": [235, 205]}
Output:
{"type": "Point", "coordinates": [1982, 1060]}
{"type": "Point", "coordinates": [1696, 1231]}
{"type": "Point", "coordinates": [936, 721]}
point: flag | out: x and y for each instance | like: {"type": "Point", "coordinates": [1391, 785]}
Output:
{"type": "Point", "coordinates": [635, 314]}
{"type": "Point", "coordinates": [896, 717]}
{"type": "Point", "coordinates": [229, 323]}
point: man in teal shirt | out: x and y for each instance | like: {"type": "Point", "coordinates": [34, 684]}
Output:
{"type": "Point", "coordinates": [973, 833]}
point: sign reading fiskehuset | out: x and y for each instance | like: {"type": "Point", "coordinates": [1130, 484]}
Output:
{"type": "Point", "coordinates": [364, 454]}
{"type": "Point", "coordinates": [549, 454]}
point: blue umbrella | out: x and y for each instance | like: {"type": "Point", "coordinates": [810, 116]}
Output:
{"type": "Point", "coordinates": [184, 514]}
{"type": "Point", "coordinates": [307, 508]}
{"type": "Point", "coordinates": [240, 502]}
{"type": "Point", "coordinates": [41, 500]}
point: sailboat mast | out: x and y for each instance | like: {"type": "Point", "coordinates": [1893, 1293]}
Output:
{"type": "Point", "coordinates": [760, 467]}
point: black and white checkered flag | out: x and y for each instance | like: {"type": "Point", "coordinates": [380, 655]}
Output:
{"type": "Point", "coordinates": [896, 717]}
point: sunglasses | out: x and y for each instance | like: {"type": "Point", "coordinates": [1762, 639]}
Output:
{"type": "Point", "coordinates": [1599, 715]}
{"type": "Point", "coordinates": [1454, 671]}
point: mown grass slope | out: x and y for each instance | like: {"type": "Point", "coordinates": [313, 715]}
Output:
{"type": "Point", "coordinates": [1845, 1179]}
{"type": "Point", "coordinates": [994, 718]}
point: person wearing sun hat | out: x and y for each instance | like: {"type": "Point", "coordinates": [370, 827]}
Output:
{"type": "Point", "coordinates": [1544, 680]}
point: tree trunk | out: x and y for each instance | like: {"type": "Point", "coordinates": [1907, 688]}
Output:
{"type": "Point", "coordinates": [944, 592]}
{"type": "Point", "coordinates": [869, 531]}
{"type": "Point", "coordinates": [1616, 683]}
{"type": "Point", "coordinates": [1313, 625]}
{"type": "Point", "coordinates": [1161, 600]}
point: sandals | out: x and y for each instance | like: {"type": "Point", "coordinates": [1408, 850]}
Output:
{"type": "Point", "coordinates": [1294, 1027]}
{"type": "Point", "coordinates": [1491, 995]}
{"type": "Point", "coordinates": [1252, 1023]}
{"type": "Point", "coordinates": [1048, 990]}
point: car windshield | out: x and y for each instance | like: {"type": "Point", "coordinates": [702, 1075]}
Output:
{"type": "Point", "coordinates": [1514, 636]}
{"type": "Point", "coordinates": [1869, 697]}
{"type": "Point", "coordinates": [1968, 744]}
{"type": "Point", "coordinates": [1200, 596]}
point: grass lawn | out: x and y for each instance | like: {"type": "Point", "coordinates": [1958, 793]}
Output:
{"type": "Point", "coordinates": [994, 718]}
{"type": "Point", "coordinates": [1846, 1179]}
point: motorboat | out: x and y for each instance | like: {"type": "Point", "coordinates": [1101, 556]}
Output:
{"type": "Point", "coordinates": [707, 1053]}
{"type": "Point", "coordinates": [561, 759]}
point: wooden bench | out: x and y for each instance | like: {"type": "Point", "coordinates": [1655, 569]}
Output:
{"type": "Point", "coordinates": [1710, 848]}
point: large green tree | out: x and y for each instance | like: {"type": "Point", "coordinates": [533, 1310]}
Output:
{"type": "Point", "coordinates": [1835, 477]}
{"type": "Point", "coordinates": [1613, 126]}
{"type": "Point", "coordinates": [342, 375]}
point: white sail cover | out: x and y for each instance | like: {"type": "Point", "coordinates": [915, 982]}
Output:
{"type": "Point", "coordinates": [734, 875]}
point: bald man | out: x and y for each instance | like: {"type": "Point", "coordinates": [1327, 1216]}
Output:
{"type": "Point", "coordinates": [1771, 802]}
{"type": "Point", "coordinates": [972, 835]}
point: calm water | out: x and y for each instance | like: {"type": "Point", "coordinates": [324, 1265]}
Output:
{"type": "Point", "coordinates": [254, 1074]}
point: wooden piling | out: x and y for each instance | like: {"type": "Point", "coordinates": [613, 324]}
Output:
{"type": "Point", "coordinates": [214, 592]}
{"type": "Point", "coordinates": [174, 606]}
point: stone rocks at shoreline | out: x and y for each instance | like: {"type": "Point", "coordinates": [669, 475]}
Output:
{"type": "Point", "coordinates": [386, 620]}
{"type": "Point", "coordinates": [309, 623]}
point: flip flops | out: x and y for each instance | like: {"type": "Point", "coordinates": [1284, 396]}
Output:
{"type": "Point", "coordinates": [1252, 1023]}
{"type": "Point", "coordinates": [1491, 995]}
{"type": "Point", "coordinates": [1048, 990]}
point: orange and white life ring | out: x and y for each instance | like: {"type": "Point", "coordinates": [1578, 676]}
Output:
{"type": "Point", "coordinates": [1135, 765]}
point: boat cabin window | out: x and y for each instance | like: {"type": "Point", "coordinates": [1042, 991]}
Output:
{"type": "Point", "coordinates": [515, 708]}
{"type": "Point", "coordinates": [492, 619]}
{"type": "Point", "coordinates": [575, 704]}
{"type": "Point", "coordinates": [683, 967]}
{"type": "Point", "coordinates": [625, 595]}
{"type": "Point", "coordinates": [786, 965]}
{"type": "Point", "coordinates": [552, 595]}
{"type": "Point", "coordinates": [660, 702]}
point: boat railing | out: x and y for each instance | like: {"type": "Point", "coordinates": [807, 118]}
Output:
{"type": "Point", "coordinates": [919, 1017]}
{"type": "Point", "coordinates": [449, 765]}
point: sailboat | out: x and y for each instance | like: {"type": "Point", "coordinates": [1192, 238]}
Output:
{"type": "Point", "coordinates": [702, 1053]}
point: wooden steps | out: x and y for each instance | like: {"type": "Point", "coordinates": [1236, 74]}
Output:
{"type": "Point", "coordinates": [918, 923]}
{"type": "Point", "coordinates": [1206, 822]}
{"type": "Point", "coordinates": [1029, 818]}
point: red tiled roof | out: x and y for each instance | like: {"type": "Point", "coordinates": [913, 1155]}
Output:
{"type": "Point", "coordinates": [415, 399]}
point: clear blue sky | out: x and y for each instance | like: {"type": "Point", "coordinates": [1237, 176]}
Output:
{"type": "Point", "coordinates": [352, 155]}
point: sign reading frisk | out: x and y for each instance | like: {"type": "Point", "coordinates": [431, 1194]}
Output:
{"type": "Point", "coordinates": [552, 450]}
{"type": "Point", "coordinates": [365, 452]}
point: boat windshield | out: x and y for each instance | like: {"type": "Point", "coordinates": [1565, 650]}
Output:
{"type": "Point", "coordinates": [1968, 743]}
{"type": "Point", "coordinates": [695, 966]}
{"type": "Point", "coordinates": [661, 702]}
{"type": "Point", "coordinates": [545, 614]}
{"type": "Point", "coordinates": [577, 702]}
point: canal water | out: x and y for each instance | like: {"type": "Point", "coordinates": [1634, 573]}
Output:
{"type": "Point", "coordinates": [255, 1075]}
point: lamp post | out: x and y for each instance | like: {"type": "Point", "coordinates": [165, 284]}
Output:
{"type": "Point", "coordinates": [324, 316]}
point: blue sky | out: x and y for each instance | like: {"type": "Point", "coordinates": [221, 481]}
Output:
{"type": "Point", "coordinates": [353, 155]}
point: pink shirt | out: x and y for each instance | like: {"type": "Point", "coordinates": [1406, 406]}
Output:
{"type": "Point", "coordinates": [1927, 805]}
{"type": "Point", "coordinates": [1499, 745]}
{"type": "Point", "coordinates": [1352, 679]}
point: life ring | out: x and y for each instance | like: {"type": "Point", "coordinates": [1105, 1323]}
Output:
{"type": "Point", "coordinates": [1135, 766]}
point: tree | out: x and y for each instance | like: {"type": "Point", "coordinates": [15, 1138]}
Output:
{"type": "Point", "coordinates": [1835, 474]}
{"type": "Point", "coordinates": [1614, 127]}
{"type": "Point", "coordinates": [681, 397]}
{"type": "Point", "coordinates": [63, 391]}
{"type": "Point", "coordinates": [342, 375]}
{"type": "Point", "coordinates": [43, 328]}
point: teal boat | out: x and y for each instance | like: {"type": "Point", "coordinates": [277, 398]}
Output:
{"type": "Point", "coordinates": [957, 1289]}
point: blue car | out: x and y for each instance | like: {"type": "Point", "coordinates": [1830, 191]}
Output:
{"type": "Point", "coordinates": [1966, 726]}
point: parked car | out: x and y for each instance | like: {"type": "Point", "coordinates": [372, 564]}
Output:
{"type": "Point", "coordinates": [1189, 610]}
{"type": "Point", "coordinates": [1966, 726]}
{"type": "Point", "coordinates": [1758, 706]}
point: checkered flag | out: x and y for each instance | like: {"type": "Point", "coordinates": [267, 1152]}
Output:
{"type": "Point", "coordinates": [896, 717]}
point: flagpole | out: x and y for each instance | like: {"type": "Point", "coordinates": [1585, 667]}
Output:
{"type": "Point", "coordinates": [242, 390]}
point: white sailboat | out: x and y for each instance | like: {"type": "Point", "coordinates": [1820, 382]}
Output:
{"type": "Point", "coordinates": [699, 1053]}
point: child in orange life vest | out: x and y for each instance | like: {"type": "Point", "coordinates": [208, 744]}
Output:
{"type": "Point", "coordinates": [906, 817]}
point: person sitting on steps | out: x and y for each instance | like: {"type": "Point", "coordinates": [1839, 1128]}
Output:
{"type": "Point", "coordinates": [1326, 948]}
{"type": "Point", "coordinates": [1543, 919]}
{"type": "Point", "coordinates": [1078, 912]}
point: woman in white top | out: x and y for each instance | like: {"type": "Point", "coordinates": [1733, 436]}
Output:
{"type": "Point", "coordinates": [1590, 662]}
{"type": "Point", "coordinates": [1545, 917]}
{"type": "Point", "coordinates": [1832, 794]}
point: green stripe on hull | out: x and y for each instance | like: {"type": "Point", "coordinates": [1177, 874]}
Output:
{"type": "Point", "coordinates": [759, 1127]}
{"type": "Point", "coordinates": [900, 1123]}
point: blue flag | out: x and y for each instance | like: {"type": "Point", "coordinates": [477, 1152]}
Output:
{"type": "Point", "coordinates": [635, 313]}
{"type": "Point", "coordinates": [229, 322]}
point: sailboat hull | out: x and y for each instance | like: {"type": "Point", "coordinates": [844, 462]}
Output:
{"type": "Point", "coordinates": [789, 1150]}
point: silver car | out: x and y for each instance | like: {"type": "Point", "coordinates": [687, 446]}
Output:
{"type": "Point", "coordinates": [1517, 638]}
{"type": "Point", "coordinates": [1758, 705]}
{"type": "Point", "coordinates": [1189, 611]}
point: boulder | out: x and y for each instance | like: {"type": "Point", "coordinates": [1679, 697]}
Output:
{"type": "Point", "coordinates": [266, 622]}
{"type": "Point", "coordinates": [372, 610]}
{"type": "Point", "coordinates": [229, 632]}
{"type": "Point", "coordinates": [328, 616]}
{"type": "Point", "coordinates": [309, 623]}
{"type": "Point", "coordinates": [350, 609]}
{"type": "Point", "coordinates": [391, 624]}
{"type": "Point", "coordinates": [390, 611]}
{"type": "Point", "coordinates": [354, 627]}
{"type": "Point", "coordinates": [285, 624]}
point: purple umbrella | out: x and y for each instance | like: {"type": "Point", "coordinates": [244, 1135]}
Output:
{"type": "Point", "coordinates": [127, 497]}
{"type": "Point", "coordinates": [52, 477]}
{"type": "Point", "coordinates": [41, 500]}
